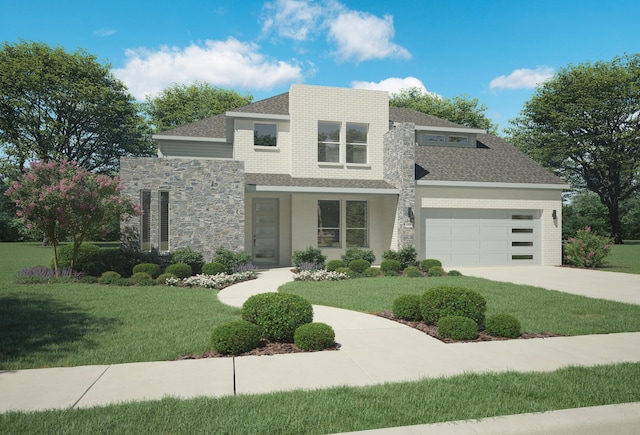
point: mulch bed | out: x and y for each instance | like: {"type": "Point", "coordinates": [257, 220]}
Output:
{"type": "Point", "coordinates": [265, 348]}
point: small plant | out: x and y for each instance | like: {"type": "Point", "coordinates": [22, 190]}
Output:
{"type": "Point", "coordinates": [235, 337]}
{"type": "Point", "coordinates": [342, 270]}
{"type": "Point", "coordinates": [140, 276]}
{"type": "Point", "coordinates": [358, 254]}
{"type": "Point", "coordinates": [443, 301]}
{"type": "Point", "coordinates": [406, 256]}
{"type": "Point", "coordinates": [587, 249]}
{"type": "Point", "coordinates": [372, 272]}
{"type": "Point", "coordinates": [454, 273]}
{"type": "Point", "coordinates": [162, 279]}
{"type": "Point", "coordinates": [277, 314]}
{"type": "Point", "coordinates": [146, 282]}
{"type": "Point", "coordinates": [181, 270]}
{"type": "Point", "coordinates": [213, 268]}
{"type": "Point", "coordinates": [359, 266]}
{"type": "Point", "coordinates": [123, 282]}
{"type": "Point", "coordinates": [390, 266]}
{"type": "Point", "coordinates": [457, 328]}
{"type": "Point", "coordinates": [435, 271]}
{"type": "Point", "coordinates": [314, 336]}
{"type": "Point", "coordinates": [231, 259]}
{"type": "Point", "coordinates": [310, 267]}
{"type": "Point", "coordinates": [412, 272]}
{"type": "Point", "coordinates": [503, 325]}
{"type": "Point", "coordinates": [334, 264]}
{"type": "Point", "coordinates": [44, 275]}
{"type": "Point", "coordinates": [152, 269]}
{"type": "Point", "coordinates": [88, 279]}
{"type": "Point", "coordinates": [248, 267]}
{"type": "Point", "coordinates": [87, 253]}
{"type": "Point", "coordinates": [321, 275]}
{"type": "Point", "coordinates": [109, 277]}
{"type": "Point", "coordinates": [190, 257]}
{"type": "Point", "coordinates": [407, 307]}
{"type": "Point", "coordinates": [427, 264]}
{"type": "Point", "coordinates": [309, 255]}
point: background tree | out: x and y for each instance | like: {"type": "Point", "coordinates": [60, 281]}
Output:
{"type": "Point", "coordinates": [55, 105]}
{"type": "Point", "coordinates": [182, 104]}
{"type": "Point", "coordinates": [585, 124]}
{"type": "Point", "coordinates": [461, 109]}
{"type": "Point", "coordinates": [62, 199]}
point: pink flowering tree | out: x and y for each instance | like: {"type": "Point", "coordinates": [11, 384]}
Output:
{"type": "Point", "coordinates": [586, 249]}
{"type": "Point", "coordinates": [62, 200]}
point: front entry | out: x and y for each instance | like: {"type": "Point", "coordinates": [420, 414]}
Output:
{"type": "Point", "coordinates": [265, 231]}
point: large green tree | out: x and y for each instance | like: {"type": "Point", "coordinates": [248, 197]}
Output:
{"type": "Point", "coordinates": [182, 104]}
{"type": "Point", "coordinates": [585, 124]}
{"type": "Point", "coordinates": [59, 105]}
{"type": "Point", "coordinates": [460, 109]}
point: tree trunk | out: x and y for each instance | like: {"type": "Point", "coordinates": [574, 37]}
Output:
{"type": "Point", "coordinates": [614, 219]}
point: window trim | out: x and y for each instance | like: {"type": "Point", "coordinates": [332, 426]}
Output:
{"type": "Point", "coordinates": [274, 124]}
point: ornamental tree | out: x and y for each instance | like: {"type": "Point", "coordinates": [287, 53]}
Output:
{"type": "Point", "coordinates": [61, 199]}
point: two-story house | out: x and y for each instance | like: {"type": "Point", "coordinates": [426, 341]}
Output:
{"type": "Point", "coordinates": [334, 168]}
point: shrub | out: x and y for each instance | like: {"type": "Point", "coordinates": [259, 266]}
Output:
{"type": "Point", "coordinates": [334, 264]}
{"type": "Point", "coordinates": [342, 270]}
{"type": "Point", "coordinates": [372, 272]}
{"type": "Point", "coordinates": [309, 255]}
{"type": "Point", "coordinates": [412, 272]}
{"type": "Point", "coordinates": [87, 253]}
{"type": "Point", "coordinates": [454, 273]}
{"type": "Point", "coordinates": [152, 269]}
{"type": "Point", "coordinates": [123, 282]}
{"type": "Point", "coordinates": [321, 275]}
{"type": "Point", "coordinates": [94, 268]}
{"type": "Point", "coordinates": [162, 279]}
{"type": "Point", "coordinates": [435, 271]}
{"type": "Point", "coordinates": [407, 307]}
{"type": "Point", "coordinates": [427, 264]}
{"type": "Point", "coordinates": [213, 268]}
{"type": "Point", "coordinates": [181, 270]}
{"type": "Point", "coordinates": [314, 336]}
{"type": "Point", "coordinates": [230, 260]}
{"type": "Point", "coordinates": [88, 279]}
{"type": "Point", "coordinates": [443, 301]}
{"type": "Point", "coordinates": [359, 266]}
{"type": "Point", "coordinates": [457, 328]}
{"type": "Point", "coordinates": [503, 325]}
{"type": "Point", "coordinates": [235, 337]}
{"type": "Point", "coordinates": [391, 273]}
{"type": "Point", "coordinates": [358, 254]}
{"type": "Point", "coordinates": [390, 266]}
{"type": "Point", "coordinates": [406, 256]}
{"type": "Point", "coordinates": [145, 282]}
{"type": "Point", "coordinates": [140, 276]}
{"type": "Point", "coordinates": [44, 275]}
{"type": "Point", "coordinates": [190, 257]}
{"type": "Point", "coordinates": [109, 277]}
{"type": "Point", "coordinates": [586, 249]}
{"type": "Point", "coordinates": [277, 314]}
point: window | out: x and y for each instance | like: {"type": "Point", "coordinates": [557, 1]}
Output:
{"type": "Point", "coordinates": [265, 135]}
{"type": "Point", "coordinates": [357, 143]}
{"type": "Point", "coordinates": [443, 139]}
{"type": "Point", "coordinates": [145, 220]}
{"type": "Point", "coordinates": [329, 142]}
{"type": "Point", "coordinates": [331, 223]}
{"type": "Point", "coordinates": [164, 221]}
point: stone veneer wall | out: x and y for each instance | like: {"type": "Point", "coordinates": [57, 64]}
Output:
{"type": "Point", "coordinates": [399, 170]}
{"type": "Point", "coordinates": [206, 200]}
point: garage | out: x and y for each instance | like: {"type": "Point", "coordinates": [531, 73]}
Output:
{"type": "Point", "coordinates": [481, 237]}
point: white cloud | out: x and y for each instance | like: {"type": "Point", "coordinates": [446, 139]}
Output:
{"type": "Point", "coordinates": [105, 31]}
{"type": "Point", "coordinates": [229, 63]}
{"type": "Point", "coordinates": [524, 78]}
{"type": "Point", "coordinates": [294, 19]}
{"type": "Point", "coordinates": [393, 85]}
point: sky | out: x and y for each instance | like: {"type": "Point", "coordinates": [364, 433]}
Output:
{"type": "Point", "coordinates": [493, 50]}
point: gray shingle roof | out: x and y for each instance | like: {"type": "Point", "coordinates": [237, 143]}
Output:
{"type": "Point", "coordinates": [289, 181]}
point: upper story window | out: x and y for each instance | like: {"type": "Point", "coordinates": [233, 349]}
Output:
{"type": "Point", "coordinates": [445, 139]}
{"type": "Point", "coordinates": [265, 135]}
{"type": "Point", "coordinates": [328, 142]}
{"type": "Point", "coordinates": [357, 142]}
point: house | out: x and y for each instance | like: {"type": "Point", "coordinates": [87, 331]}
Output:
{"type": "Point", "coordinates": [334, 168]}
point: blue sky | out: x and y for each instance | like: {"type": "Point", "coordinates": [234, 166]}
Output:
{"type": "Point", "coordinates": [493, 50]}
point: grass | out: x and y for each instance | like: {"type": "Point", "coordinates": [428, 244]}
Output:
{"type": "Point", "coordinates": [469, 396]}
{"type": "Point", "coordinates": [624, 258]}
{"type": "Point", "coordinates": [538, 310]}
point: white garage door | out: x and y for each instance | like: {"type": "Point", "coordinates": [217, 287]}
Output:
{"type": "Point", "coordinates": [463, 237]}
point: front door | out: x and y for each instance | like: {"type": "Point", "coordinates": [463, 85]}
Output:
{"type": "Point", "coordinates": [265, 231]}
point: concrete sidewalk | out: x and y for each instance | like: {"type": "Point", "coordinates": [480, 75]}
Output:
{"type": "Point", "coordinates": [373, 351]}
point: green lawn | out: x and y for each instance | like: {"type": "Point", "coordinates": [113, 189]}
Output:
{"type": "Point", "coordinates": [624, 258]}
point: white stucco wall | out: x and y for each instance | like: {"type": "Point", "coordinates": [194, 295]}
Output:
{"type": "Point", "coordinates": [265, 160]}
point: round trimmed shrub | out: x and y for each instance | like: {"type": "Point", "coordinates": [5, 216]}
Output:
{"type": "Point", "coordinates": [372, 272]}
{"type": "Point", "coordinates": [152, 269]}
{"type": "Point", "coordinates": [235, 337]}
{"type": "Point", "coordinates": [390, 266]}
{"type": "Point", "coordinates": [412, 272]}
{"type": "Point", "coordinates": [181, 270]}
{"type": "Point", "coordinates": [162, 279]}
{"type": "Point", "coordinates": [503, 325]}
{"type": "Point", "coordinates": [190, 257]}
{"type": "Point", "coordinates": [443, 301]}
{"type": "Point", "coordinates": [109, 277]}
{"type": "Point", "coordinates": [213, 268]}
{"type": "Point", "coordinates": [359, 266]}
{"type": "Point", "coordinates": [435, 271]}
{"type": "Point", "coordinates": [407, 307]}
{"type": "Point", "coordinates": [314, 336]}
{"type": "Point", "coordinates": [427, 264]}
{"type": "Point", "coordinates": [454, 273]}
{"type": "Point", "coordinates": [277, 314]}
{"type": "Point", "coordinates": [94, 268]}
{"type": "Point", "coordinates": [334, 265]}
{"type": "Point", "coordinates": [355, 253]}
{"type": "Point", "coordinates": [457, 328]}
{"type": "Point", "coordinates": [140, 276]}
